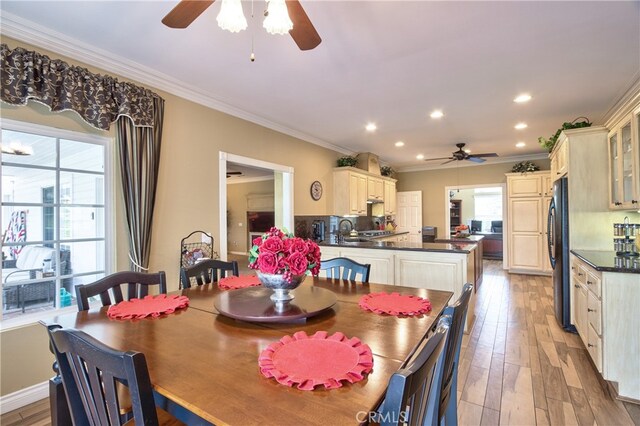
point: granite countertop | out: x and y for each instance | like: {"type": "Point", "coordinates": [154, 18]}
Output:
{"type": "Point", "coordinates": [392, 245]}
{"type": "Point", "coordinates": [471, 239]}
{"type": "Point", "coordinates": [608, 261]}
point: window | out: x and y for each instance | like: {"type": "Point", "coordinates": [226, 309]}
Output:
{"type": "Point", "coordinates": [54, 217]}
{"type": "Point", "coordinates": [487, 206]}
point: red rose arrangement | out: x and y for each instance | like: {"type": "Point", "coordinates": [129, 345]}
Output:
{"type": "Point", "coordinates": [278, 252]}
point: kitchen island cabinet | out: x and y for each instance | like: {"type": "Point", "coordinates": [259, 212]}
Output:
{"type": "Point", "coordinates": [438, 266]}
{"type": "Point", "coordinates": [604, 308]}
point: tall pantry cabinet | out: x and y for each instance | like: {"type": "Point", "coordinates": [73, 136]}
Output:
{"type": "Point", "coordinates": [528, 197]}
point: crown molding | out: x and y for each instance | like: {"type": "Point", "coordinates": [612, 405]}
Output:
{"type": "Point", "coordinates": [624, 104]}
{"type": "Point", "coordinates": [457, 164]}
{"type": "Point", "coordinates": [29, 32]}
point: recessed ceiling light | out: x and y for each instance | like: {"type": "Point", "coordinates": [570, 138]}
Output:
{"type": "Point", "coordinates": [525, 97]}
{"type": "Point", "coordinates": [399, 143]}
{"type": "Point", "coordinates": [420, 157]}
{"type": "Point", "coordinates": [437, 114]}
{"type": "Point", "coordinates": [371, 127]}
{"type": "Point", "coordinates": [520, 144]}
{"type": "Point", "coordinates": [521, 126]}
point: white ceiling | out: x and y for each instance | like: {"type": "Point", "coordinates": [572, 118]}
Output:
{"type": "Point", "coordinates": [391, 62]}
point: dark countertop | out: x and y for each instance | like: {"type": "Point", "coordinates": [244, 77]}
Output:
{"type": "Point", "coordinates": [392, 245]}
{"type": "Point", "coordinates": [607, 261]}
{"type": "Point", "coordinates": [471, 239]}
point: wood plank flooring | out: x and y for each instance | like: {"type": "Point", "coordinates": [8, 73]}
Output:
{"type": "Point", "coordinates": [517, 367]}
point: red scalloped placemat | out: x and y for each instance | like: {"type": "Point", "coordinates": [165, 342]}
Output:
{"type": "Point", "coordinates": [395, 304]}
{"type": "Point", "coordinates": [234, 283]}
{"type": "Point", "coordinates": [149, 306]}
{"type": "Point", "coordinates": [309, 361]}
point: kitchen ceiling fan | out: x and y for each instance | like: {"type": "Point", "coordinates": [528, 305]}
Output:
{"type": "Point", "coordinates": [460, 155]}
{"type": "Point", "coordinates": [303, 32]}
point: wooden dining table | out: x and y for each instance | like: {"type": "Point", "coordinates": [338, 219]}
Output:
{"type": "Point", "coordinates": [206, 364]}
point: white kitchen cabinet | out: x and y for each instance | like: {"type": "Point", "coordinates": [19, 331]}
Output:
{"type": "Point", "coordinates": [604, 310]}
{"type": "Point", "coordinates": [623, 166]}
{"type": "Point", "coordinates": [375, 189]}
{"type": "Point", "coordinates": [559, 159]}
{"type": "Point", "coordinates": [527, 230]}
{"type": "Point", "coordinates": [350, 193]}
{"type": "Point", "coordinates": [547, 186]}
{"type": "Point", "coordinates": [525, 184]}
{"type": "Point", "coordinates": [389, 197]}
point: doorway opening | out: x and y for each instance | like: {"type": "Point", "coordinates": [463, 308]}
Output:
{"type": "Point", "coordinates": [282, 204]}
{"type": "Point", "coordinates": [483, 209]}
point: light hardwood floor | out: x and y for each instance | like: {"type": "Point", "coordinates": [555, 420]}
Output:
{"type": "Point", "coordinates": [517, 367]}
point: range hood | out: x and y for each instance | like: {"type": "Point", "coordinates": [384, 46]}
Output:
{"type": "Point", "coordinates": [369, 162]}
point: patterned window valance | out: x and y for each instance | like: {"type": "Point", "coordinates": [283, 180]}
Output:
{"type": "Point", "coordinates": [98, 99]}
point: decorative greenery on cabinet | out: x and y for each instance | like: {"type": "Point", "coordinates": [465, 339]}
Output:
{"type": "Point", "coordinates": [548, 144]}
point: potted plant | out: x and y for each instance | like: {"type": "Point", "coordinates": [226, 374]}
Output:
{"type": "Point", "coordinates": [524, 167]}
{"type": "Point", "coordinates": [347, 161]}
{"type": "Point", "coordinates": [548, 144]}
{"type": "Point", "coordinates": [386, 171]}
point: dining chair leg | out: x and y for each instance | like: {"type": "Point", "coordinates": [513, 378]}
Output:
{"type": "Point", "coordinates": [60, 415]}
{"type": "Point", "coordinates": [450, 417]}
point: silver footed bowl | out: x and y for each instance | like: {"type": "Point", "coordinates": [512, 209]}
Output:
{"type": "Point", "coordinates": [277, 281]}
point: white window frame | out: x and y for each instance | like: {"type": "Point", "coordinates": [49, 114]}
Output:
{"type": "Point", "coordinates": [109, 208]}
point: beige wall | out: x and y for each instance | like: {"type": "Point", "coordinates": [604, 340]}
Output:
{"type": "Point", "coordinates": [237, 208]}
{"type": "Point", "coordinates": [187, 196]}
{"type": "Point", "coordinates": [433, 182]}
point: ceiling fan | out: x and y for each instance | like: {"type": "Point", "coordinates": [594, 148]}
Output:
{"type": "Point", "coordinates": [460, 155]}
{"type": "Point", "coordinates": [303, 32]}
{"type": "Point", "coordinates": [229, 174]}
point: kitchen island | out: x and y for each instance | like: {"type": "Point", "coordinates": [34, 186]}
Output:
{"type": "Point", "coordinates": [437, 266]}
{"type": "Point", "coordinates": [478, 240]}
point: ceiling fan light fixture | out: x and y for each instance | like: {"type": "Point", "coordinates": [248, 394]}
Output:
{"type": "Point", "coordinates": [16, 148]}
{"type": "Point", "coordinates": [231, 16]}
{"type": "Point", "coordinates": [277, 20]}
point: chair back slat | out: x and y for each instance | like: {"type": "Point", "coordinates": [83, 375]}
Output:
{"type": "Point", "coordinates": [110, 291]}
{"type": "Point", "coordinates": [448, 387]}
{"type": "Point", "coordinates": [413, 395]}
{"type": "Point", "coordinates": [89, 371]}
{"type": "Point", "coordinates": [208, 271]}
{"type": "Point", "coordinates": [346, 269]}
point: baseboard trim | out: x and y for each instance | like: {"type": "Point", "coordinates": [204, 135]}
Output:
{"type": "Point", "coordinates": [24, 397]}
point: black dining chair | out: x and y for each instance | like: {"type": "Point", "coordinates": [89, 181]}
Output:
{"type": "Point", "coordinates": [138, 286]}
{"type": "Point", "coordinates": [448, 413]}
{"type": "Point", "coordinates": [346, 269]}
{"type": "Point", "coordinates": [208, 271]}
{"type": "Point", "coordinates": [413, 393]}
{"type": "Point", "coordinates": [92, 374]}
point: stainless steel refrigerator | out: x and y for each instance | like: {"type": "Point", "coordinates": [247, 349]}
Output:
{"type": "Point", "coordinates": [558, 244]}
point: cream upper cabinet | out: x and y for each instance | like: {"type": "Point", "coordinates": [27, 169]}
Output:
{"type": "Point", "coordinates": [375, 188]}
{"type": "Point", "coordinates": [389, 197]}
{"type": "Point", "coordinates": [350, 193]}
{"type": "Point", "coordinates": [559, 159]}
{"type": "Point", "coordinates": [623, 165]}
{"type": "Point", "coordinates": [525, 185]}
{"type": "Point", "coordinates": [528, 206]}
{"type": "Point", "coordinates": [547, 185]}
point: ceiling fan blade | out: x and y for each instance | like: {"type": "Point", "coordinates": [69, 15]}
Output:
{"type": "Point", "coordinates": [447, 162]}
{"type": "Point", "coordinates": [303, 32]}
{"type": "Point", "coordinates": [476, 159]}
{"type": "Point", "coordinates": [185, 12]}
{"type": "Point", "coordinates": [440, 158]}
{"type": "Point", "coordinates": [489, 154]}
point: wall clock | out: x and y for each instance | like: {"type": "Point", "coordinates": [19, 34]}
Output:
{"type": "Point", "coordinates": [316, 190]}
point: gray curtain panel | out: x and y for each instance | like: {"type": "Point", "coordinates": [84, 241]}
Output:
{"type": "Point", "coordinates": [139, 149]}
